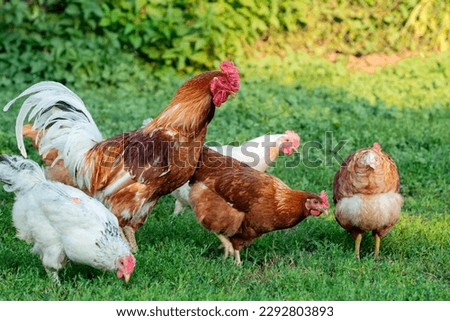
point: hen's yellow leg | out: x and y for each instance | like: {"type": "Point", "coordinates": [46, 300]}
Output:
{"type": "Point", "coordinates": [377, 245]}
{"type": "Point", "coordinates": [358, 245]}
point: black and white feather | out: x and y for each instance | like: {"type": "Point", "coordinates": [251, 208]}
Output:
{"type": "Point", "coordinates": [69, 127]}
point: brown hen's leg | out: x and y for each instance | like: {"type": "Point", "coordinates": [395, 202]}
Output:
{"type": "Point", "coordinates": [358, 244]}
{"type": "Point", "coordinates": [128, 231]}
{"type": "Point", "coordinates": [228, 247]}
{"type": "Point", "coordinates": [377, 245]}
{"type": "Point", "coordinates": [237, 257]}
{"type": "Point", "coordinates": [178, 208]}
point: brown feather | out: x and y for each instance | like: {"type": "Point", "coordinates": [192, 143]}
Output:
{"type": "Point", "coordinates": [354, 177]}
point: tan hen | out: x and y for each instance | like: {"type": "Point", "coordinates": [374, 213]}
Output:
{"type": "Point", "coordinates": [366, 194]}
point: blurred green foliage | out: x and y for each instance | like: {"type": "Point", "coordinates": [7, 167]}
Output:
{"type": "Point", "coordinates": [359, 27]}
{"type": "Point", "coordinates": [99, 41]}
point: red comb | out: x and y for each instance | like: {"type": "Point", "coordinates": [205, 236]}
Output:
{"type": "Point", "coordinates": [230, 70]}
{"type": "Point", "coordinates": [376, 145]}
{"type": "Point", "coordinates": [324, 197]}
{"type": "Point", "coordinates": [223, 86]}
{"type": "Point", "coordinates": [228, 67]}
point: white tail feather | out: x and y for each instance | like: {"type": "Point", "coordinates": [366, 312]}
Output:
{"type": "Point", "coordinates": [63, 121]}
{"type": "Point", "coordinates": [19, 174]}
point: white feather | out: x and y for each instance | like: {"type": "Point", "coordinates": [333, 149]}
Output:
{"type": "Point", "coordinates": [255, 152]}
{"type": "Point", "coordinates": [122, 178]}
{"type": "Point", "coordinates": [68, 128]}
{"type": "Point", "coordinates": [369, 212]}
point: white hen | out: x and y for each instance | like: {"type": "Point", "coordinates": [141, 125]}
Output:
{"type": "Point", "coordinates": [63, 222]}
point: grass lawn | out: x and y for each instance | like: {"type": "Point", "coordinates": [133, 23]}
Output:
{"type": "Point", "coordinates": [405, 108]}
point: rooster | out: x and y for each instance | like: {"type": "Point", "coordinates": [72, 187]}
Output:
{"type": "Point", "coordinates": [366, 194]}
{"type": "Point", "coordinates": [85, 231]}
{"type": "Point", "coordinates": [131, 171]}
{"type": "Point", "coordinates": [258, 153]}
{"type": "Point", "coordinates": [239, 203]}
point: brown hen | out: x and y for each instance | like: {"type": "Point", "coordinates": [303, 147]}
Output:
{"type": "Point", "coordinates": [366, 194]}
{"type": "Point", "coordinates": [239, 203]}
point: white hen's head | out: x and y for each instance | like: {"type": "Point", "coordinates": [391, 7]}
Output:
{"type": "Point", "coordinates": [113, 254]}
{"type": "Point", "coordinates": [125, 266]}
{"type": "Point", "coordinates": [289, 142]}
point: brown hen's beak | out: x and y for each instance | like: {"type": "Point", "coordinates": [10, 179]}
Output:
{"type": "Point", "coordinates": [233, 94]}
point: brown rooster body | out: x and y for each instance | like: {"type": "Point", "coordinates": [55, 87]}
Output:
{"type": "Point", "coordinates": [239, 203]}
{"type": "Point", "coordinates": [366, 194]}
{"type": "Point", "coordinates": [130, 171]}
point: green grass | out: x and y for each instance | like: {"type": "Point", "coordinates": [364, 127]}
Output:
{"type": "Point", "coordinates": [405, 108]}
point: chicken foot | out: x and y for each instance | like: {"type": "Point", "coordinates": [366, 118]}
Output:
{"type": "Point", "coordinates": [128, 232]}
{"type": "Point", "coordinates": [229, 249]}
{"type": "Point", "coordinates": [53, 274]}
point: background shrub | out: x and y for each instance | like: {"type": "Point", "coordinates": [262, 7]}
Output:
{"type": "Point", "coordinates": [99, 42]}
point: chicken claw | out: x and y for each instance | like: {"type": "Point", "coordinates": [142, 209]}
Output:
{"type": "Point", "coordinates": [53, 274]}
{"type": "Point", "coordinates": [229, 249]}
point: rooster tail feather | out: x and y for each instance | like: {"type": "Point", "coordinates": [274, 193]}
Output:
{"type": "Point", "coordinates": [62, 121]}
{"type": "Point", "coordinates": [18, 173]}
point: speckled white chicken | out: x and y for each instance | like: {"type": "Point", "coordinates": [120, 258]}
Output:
{"type": "Point", "coordinates": [62, 222]}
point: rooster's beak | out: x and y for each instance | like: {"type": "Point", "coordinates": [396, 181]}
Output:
{"type": "Point", "coordinates": [126, 277]}
{"type": "Point", "coordinates": [232, 94]}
